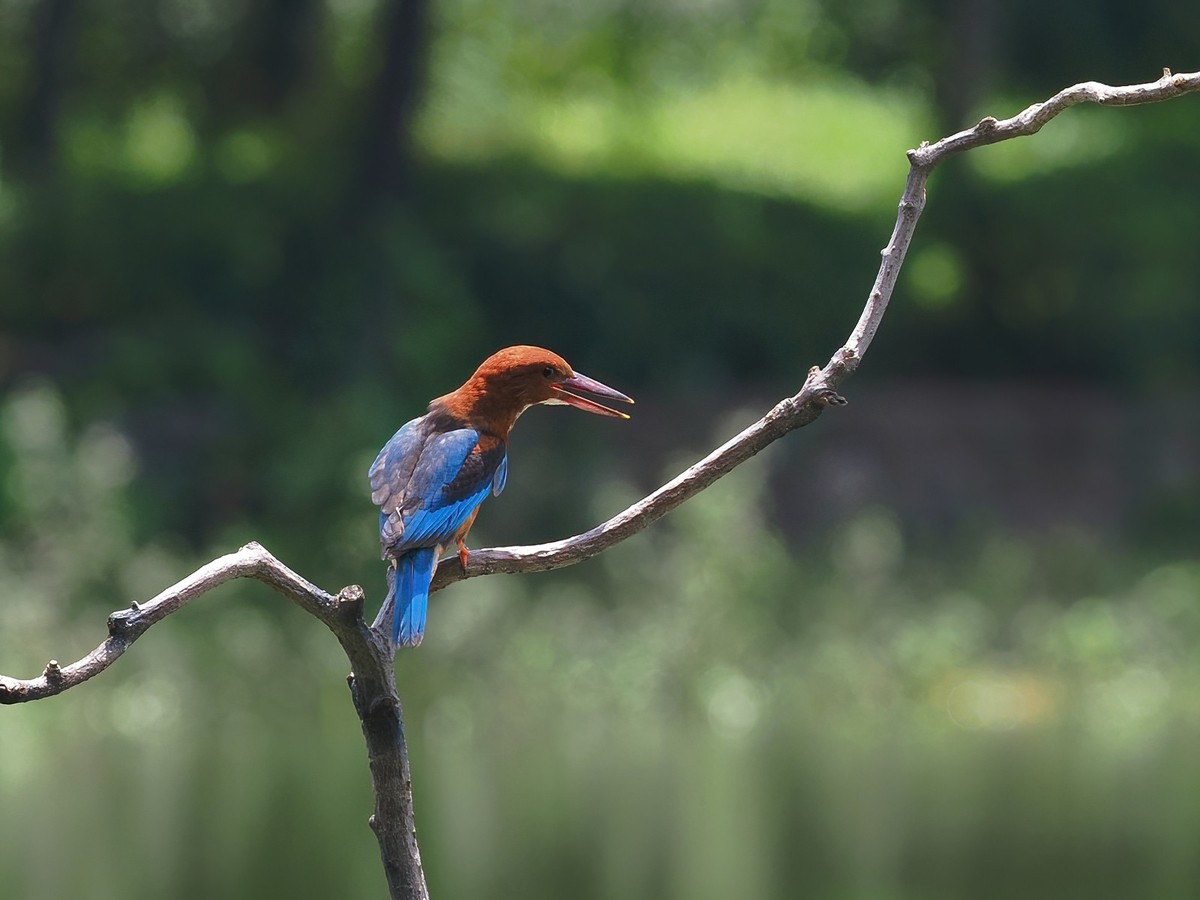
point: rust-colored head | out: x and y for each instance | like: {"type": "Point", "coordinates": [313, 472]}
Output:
{"type": "Point", "coordinates": [513, 379]}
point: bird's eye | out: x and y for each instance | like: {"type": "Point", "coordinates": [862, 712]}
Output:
{"type": "Point", "coordinates": [548, 371]}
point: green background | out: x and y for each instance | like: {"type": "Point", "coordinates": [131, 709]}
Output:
{"type": "Point", "coordinates": [941, 644]}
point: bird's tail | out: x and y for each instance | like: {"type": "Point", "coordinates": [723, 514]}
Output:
{"type": "Point", "coordinates": [409, 584]}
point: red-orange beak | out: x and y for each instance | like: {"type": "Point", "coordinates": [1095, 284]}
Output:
{"type": "Point", "coordinates": [577, 382]}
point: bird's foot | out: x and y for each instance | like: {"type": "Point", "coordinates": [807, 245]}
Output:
{"type": "Point", "coordinates": [463, 553]}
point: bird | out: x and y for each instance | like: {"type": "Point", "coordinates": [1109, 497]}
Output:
{"type": "Point", "coordinates": [431, 477]}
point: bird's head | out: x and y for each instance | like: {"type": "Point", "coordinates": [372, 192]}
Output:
{"type": "Point", "coordinates": [519, 377]}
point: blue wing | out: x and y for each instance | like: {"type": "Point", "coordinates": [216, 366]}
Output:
{"type": "Point", "coordinates": [394, 465]}
{"type": "Point", "coordinates": [429, 489]}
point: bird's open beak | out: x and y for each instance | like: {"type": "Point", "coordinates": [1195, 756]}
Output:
{"type": "Point", "coordinates": [577, 382]}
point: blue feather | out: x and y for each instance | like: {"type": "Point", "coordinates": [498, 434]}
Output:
{"type": "Point", "coordinates": [441, 523]}
{"type": "Point", "coordinates": [415, 572]}
{"type": "Point", "coordinates": [395, 463]}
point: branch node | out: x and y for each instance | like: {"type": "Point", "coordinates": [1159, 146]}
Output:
{"type": "Point", "coordinates": [789, 405]}
{"type": "Point", "coordinates": [350, 600]}
{"type": "Point", "coordinates": [381, 706]}
{"type": "Point", "coordinates": [253, 545]}
{"type": "Point", "coordinates": [987, 124]}
{"type": "Point", "coordinates": [53, 672]}
{"type": "Point", "coordinates": [845, 360]}
{"type": "Point", "coordinates": [118, 623]}
{"type": "Point", "coordinates": [830, 397]}
{"type": "Point", "coordinates": [1166, 72]}
{"type": "Point", "coordinates": [135, 607]}
{"type": "Point", "coordinates": [914, 155]}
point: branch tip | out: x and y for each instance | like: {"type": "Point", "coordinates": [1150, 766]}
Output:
{"type": "Point", "coordinates": [351, 595]}
{"type": "Point", "coordinates": [118, 625]}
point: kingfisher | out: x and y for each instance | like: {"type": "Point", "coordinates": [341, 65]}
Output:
{"type": "Point", "coordinates": [431, 477]}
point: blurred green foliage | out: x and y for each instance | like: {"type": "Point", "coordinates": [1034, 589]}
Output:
{"type": "Point", "coordinates": [236, 253]}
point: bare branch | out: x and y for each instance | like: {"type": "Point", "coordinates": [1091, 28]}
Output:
{"type": "Point", "coordinates": [819, 389]}
{"type": "Point", "coordinates": [372, 687]}
{"type": "Point", "coordinates": [369, 649]}
{"type": "Point", "coordinates": [126, 625]}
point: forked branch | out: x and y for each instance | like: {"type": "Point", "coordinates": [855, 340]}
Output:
{"type": "Point", "coordinates": [369, 649]}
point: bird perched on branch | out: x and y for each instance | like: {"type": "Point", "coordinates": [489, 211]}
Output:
{"type": "Point", "coordinates": [430, 478]}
